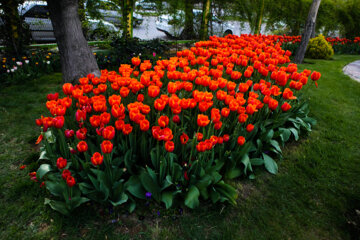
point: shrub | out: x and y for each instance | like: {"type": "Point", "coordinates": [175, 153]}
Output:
{"type": "Point", "coordinates": [319, 48]}
{"type": "Point", "coordinates": [124, 49]}
{"type": "Point", "coordinates": [176, 132]}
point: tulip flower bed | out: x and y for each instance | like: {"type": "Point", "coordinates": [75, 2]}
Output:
{"type": "Point", "coordinates": [176, 132]}
{"type": "Point", "coordinates": [340, 45]}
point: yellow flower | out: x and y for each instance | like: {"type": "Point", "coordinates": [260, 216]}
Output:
{"type": "Point", "coordinates": [49, 53]}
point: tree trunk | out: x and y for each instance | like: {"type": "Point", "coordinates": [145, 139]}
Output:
{"type": "Point", "coordinates": [127, 13]}
{"type": "Point", "coordinates": [76, 58]}
{"type": "Point", "coordinates": [310, 24]}
{"type": "Point", "coordinates": [205, 20]}
{"type": "Point", "coordinates": [259, 18]}
{"type": "Point", "coordinates": [313, 33]}
{"type": "Point", "coordinates": [15, 36]}
{"type": "Point", "coordinates": [188, 32]}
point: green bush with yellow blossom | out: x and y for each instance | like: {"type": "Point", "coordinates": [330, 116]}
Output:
{"type": "Point", "coordinates": [319, 48]}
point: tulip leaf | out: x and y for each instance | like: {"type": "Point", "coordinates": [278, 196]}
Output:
{"type": "Point", "coordinates": [257, 161]}
{"type": "Point", "coordinates": [77, 201]}
{"type": "Point", "coordinates": [122, 200]}
{"type": "Point", "coordinates": [270, 164]}
{"type": "Point", "coordinates": [133, 186]}
{"type": "Point", "coordinates": [192, 197]}
{"type": "Point", "coordinates": [57, 206]}
{"type": "Point", "coordinates": [43, 170]}
{"type": "Point", "coordinates": [150, 185]}
{"type": "Point", "coordinates": [276, 145]}
{"type": "Point", "coordinates": [295, 133]}
{"type": "Point", "coordinates": [167, 198]}
{"type": "Point", "coordinates": [55, 188]}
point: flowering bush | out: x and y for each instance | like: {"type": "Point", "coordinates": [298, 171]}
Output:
{"type": "Point", "coordinates": [15, 70]}
{"type": "Point", "coordinates": [174, 132]}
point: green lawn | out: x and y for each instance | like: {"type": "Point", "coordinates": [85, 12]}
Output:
{"type": "Point", "coordinates": [314, 195]}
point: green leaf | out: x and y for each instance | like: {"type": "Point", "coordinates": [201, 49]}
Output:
{"type": "Point", "coordinates": [133, 186]}
{"type": "Point", "coordinates": [192, 197]}
{"type": "Point", "coordinates": [86, 188]}
{"type": "Point", "coordinates": [55, 188]}
{"type": "Point", "coordinates": [43, 155]}
{"type": "Point", "coordinates": [233, 173]}
{"type": "Point", "coordinates": [270, 164]}
{"type": "Point", "coordinates": [95, 182]}
{"type": "Point", "coordinates": [257, 161]}
{"type": "Point", "coordinates": [167, 198]}
{"type": "Point", "coordinates": [128, 160]}
{"type": "Point", "coordinates": [285, 133]}
{"type": "Point", "coordinates": [310, 120]}
{"type": "Point", "coordinates": [49, 136]}
{"type": "Point", "coordinates": [252, 176]}
{"type": "Point", "coordinates": [57, 206]}
{"type": "Point", "coordinates": [227, 191]}
{"type": "Point", "coordinates": [246, 161]}
{"type": "Point", "coordinates": [122, 200]}
{"type": "Point", "coordinates": [269, 135]}
{"type": "Point", "coordinates": [295, 133]}
{"type": "Point", "coordinates": [132, 207]}
{"type": "Point", "coordinates": [43, 170]}
{"type": "Point", "coordinates": [276, 145]}
{"type": "Point", "coordinates": [214, 195]}
{"type": "Point", "coordinates": [77, 201]}
{"type": "Point", "coordinates": [150, 185]}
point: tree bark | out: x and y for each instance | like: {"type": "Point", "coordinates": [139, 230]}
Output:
{"type": "Point", "coordinates": [310, 24]}
{"type": "Point", "coordinates": [313, 33]}
{"type": "Point", "coordinates": [205, 20]}
{"type": "Point", "coordinates": [76, 58]}
{"type": "Point", "coordinates": [15, 36]}
{"type": "Point", "coordinates": [259, 18]}
{"type": "Point", "coordinates": [188, 32]}
{"type": "Point", "coordinates": [127, 13]}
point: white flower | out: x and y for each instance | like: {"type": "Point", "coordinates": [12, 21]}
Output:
{"type": "Point", "coordinates": [8, 70]}
{"type": "Point", "coordinates": [12, 70]}
{"type": "Point", "coordinates": [19, 63]}
{"type": "Point", "coordinates": [26, 61]}
{"type": "Point", "coordinates": [48, 62]}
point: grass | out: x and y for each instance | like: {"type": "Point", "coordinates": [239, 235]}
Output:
{"type": "Point", "coordinates": [314, 195]}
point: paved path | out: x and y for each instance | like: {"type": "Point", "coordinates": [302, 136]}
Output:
{"type": "Point", "coordinates": [353, 70]}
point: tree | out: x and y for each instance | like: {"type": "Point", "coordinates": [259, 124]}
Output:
{"type": "Point", "coordinates": [349, 16]}
{"type": "Point", "coordinates": [291, 13]}
{"type": "Point", "coordinates": [205, 19]}
{"type": "Point", "coordinates": [188, 32]}
{"type": "Point", "coordinates": [127, 15]}
{"type": "Point", "coordinates": [252, 11]}
{"type": "Point", "coordinates": [310, 25]}
{"type": "Point", "coordinates": [14, 34]}
{"type": "Point", "coordinates": [76, 57]}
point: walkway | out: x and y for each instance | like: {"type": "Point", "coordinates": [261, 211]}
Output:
{"type": "Point", "coordinates": [353, 70]}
